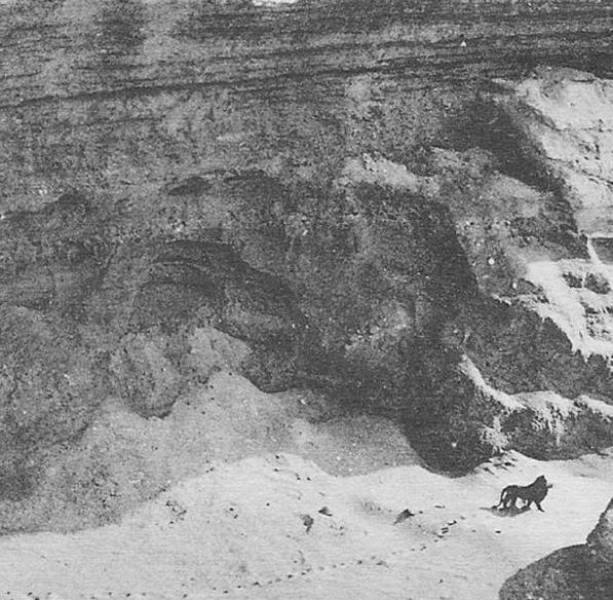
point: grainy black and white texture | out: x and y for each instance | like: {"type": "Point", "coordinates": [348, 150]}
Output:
{"type": "Point", "coordinates": [369, 234]}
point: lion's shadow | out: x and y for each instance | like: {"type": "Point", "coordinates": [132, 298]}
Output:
{"type": "Point", "coordinates": [513, 511]}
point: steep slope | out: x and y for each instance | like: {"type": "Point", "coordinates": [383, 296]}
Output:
{"type": "Point", "coordinates": [343, 204]}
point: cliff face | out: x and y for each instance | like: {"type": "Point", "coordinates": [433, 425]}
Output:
{"type": "Point", "coordinates": [124, 95]}
{"type": "Point", "coordinates": [337, 197]}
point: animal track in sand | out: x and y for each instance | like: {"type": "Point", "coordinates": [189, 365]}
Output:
{"type": "Point", "coordinates": [383, 560]}
{"type": "Point", "coordinates": [222, 591]}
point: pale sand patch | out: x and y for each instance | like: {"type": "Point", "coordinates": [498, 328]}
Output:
{"type": "Point", "coordinates": [238, 532]}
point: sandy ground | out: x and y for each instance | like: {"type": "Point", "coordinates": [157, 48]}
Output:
{"type": "Point", "coordinates": [238, 531]}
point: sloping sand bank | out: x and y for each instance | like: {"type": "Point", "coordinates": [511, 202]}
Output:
{"type": "Point", "coordinates": [240, 531]}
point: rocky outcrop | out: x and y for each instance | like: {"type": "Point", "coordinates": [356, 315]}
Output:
{"type": "Point", "coordinates": [577, 573]}
{"type": "Point", "coordinates": [570, 144]}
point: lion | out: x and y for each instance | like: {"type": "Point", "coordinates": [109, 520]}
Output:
{"type": "Point", "coordinates": [535, 492]}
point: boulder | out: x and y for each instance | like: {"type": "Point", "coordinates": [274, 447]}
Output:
{"type": "Point", "coordinates": [582, 572]}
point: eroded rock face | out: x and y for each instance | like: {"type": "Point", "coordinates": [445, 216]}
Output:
{"type": "Point", "coordinates": [423, 250]}
{"type": "Point", "coordinates": [573, 144]}
{"type": "Point", "coordinates": [577, 573]}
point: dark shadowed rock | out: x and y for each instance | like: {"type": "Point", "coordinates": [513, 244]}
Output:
{"type": "Point", "coordinates": [576, 573]}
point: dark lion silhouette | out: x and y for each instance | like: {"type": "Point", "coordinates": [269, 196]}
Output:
{"type": "Point", "coordinates": [535, 492]}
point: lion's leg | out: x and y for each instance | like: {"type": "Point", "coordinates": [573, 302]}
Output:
{"type": "Point", "coordinates": [538, 505]}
